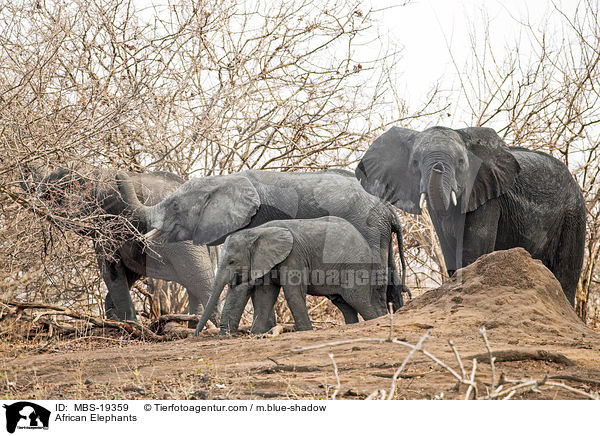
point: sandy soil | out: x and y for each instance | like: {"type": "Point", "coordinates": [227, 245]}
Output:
{"type": "Point", "coordinates": [516, 298]}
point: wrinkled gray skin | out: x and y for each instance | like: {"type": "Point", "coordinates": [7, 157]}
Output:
{"type": "Point", "coordinates": [505, 196]}
{"type": "Point", "coordinates": [320, 256]}
{"type": "Point", "coordinates": [74, 194]}
{"type": "Point", "coordinates": [208, 209]}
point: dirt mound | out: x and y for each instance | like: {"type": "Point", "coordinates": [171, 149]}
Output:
{"type": "Point", "coordinates": [530, 325]}
{"type": "Point", "coordinates": [504, 289]}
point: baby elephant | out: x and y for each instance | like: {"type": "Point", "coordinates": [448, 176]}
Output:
{"type": "Point", "coordinates": [322, 256]}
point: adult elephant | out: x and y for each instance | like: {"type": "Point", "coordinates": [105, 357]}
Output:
{"type": "Point", "coordinates": [482, 195]}
{"type": "Point", "coordinates": [92, 197]}
{"type": "Point", "coordinates": [209, 209]}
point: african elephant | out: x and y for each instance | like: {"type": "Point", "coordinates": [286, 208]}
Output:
{"type": "Point", "coordinates": [208, 209]}
{"type": "Point", "coordinates": [321, 256]}
{"type": "Point", "coordinates": [482, 195]}
{"type": "Point", "coordinates": [92, 196]}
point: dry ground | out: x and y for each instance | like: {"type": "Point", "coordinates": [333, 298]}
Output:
{"type": "Point", "coordinates": [516, 298]}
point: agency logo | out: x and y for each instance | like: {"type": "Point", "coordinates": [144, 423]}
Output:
{"type": "Point", "coordinates": [26, 415]}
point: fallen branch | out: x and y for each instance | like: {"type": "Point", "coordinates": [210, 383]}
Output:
{"type": "Point", "coordinates": [575, 379]}
{"type": "Point", "coordinates": [132, 328]}
{"type": "Point", "coordinates": [519, 355]}
{"type": "Point", "coordinates": [176, 317]}
{"type": "Point", "coordinates": [531, 385]}
{"type": "Point", "coordinates": [337, 343]}
{"type": "Point", "coordinates": [403, 376]}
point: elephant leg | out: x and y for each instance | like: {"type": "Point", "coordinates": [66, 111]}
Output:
{"type": "Point", "coordinates": [263, 300]}
{"type": "Point", "coordinates": [358, 299]}
{"type": "Point", "coordinates": [118, 280]}
{"type": "Point", "coordinates": [110, 310]}
{"type": "Point", "coordinates": [349, 313]}
{"type": "Point", "coordinates": [271, 318]}
{"type": "Point", "coordinates": [295, 295]}
{"type": "Point", "coordinates": [196, 274]}
{"type": "Point", "coordinates": [190, 266]}
{"type": "Point", "coordinates": [235, 303]}
{"type": "Point", "coordinates": [386, 278]}
{"type": "Point", "coordinates": [394, 288]}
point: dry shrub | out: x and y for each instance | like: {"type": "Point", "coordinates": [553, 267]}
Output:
{"type": "Point", "coordinates": [201, 87]}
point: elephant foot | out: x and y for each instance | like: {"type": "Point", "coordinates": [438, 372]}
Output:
{"type": "Point", "coordinates": [256, 331]}
{"type": "Point", "coordinates": [225, 332]}
{"type": "Point", "coordinates": [112, 315]}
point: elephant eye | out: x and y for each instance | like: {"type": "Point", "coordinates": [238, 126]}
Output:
{"type": "Point", "coordinates": [415, 163]}
{"type": "Point", "coordinates": [461, 161]}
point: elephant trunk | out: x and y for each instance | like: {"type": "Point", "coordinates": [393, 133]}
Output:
{"type": "Point", "coordinates": [441, 187]}
{"type": "Point", "coordinates": [221, 280]}
{"type": "Point", "coordinates": [139, 211]}
{"type": "Point", "coordinates": [237, 298]}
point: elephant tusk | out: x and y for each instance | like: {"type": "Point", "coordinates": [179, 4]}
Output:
{"type": "Point", "coordinates": [422, 200]}
{"type": "Point", "coordinates": [152, 235]}
{"type": "Point", "coordinates": [453, 195]}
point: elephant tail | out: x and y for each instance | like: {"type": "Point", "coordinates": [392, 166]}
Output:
{"type": "Point", "coordinates": [397, 230]}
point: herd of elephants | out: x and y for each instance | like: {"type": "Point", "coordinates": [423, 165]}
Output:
{"type": "Point", "coordinates": [330, 233]}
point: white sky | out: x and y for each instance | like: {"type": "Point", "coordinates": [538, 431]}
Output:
{"type": "Point", "coordinates": [428, 29]}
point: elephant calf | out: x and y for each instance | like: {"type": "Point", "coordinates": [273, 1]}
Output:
{"type": "Point", "coordinates": [323, 256]}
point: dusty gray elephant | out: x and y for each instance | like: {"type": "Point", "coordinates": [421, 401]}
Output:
{"type": "Point", "coordinates": [122, 259]}
{"type": "Point", "coordinates": [321, 256]}
{"type": "Point", "coordinates": [482, 195]}
{"type": "Point", "coordinates": [208, 209]}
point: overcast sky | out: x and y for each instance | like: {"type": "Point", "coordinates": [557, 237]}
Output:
{"type": "Point", "coordinates": [429, 30]}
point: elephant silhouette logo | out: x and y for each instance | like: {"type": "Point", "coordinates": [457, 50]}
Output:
{"type": "Point", "coordinates": [24, 414]}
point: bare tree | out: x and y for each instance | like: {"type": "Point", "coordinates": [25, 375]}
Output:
{"type": "Point", "coordinates": [194, 88]}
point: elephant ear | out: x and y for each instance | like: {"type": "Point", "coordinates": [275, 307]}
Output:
{"type": "Point", "coordinates": [228, 205]}
{"type": "Point", "coordinates": [55, 184]}
{"type": "Point", "coordinates": [384, 169]}
{"type": "Point", "coordinates": [493, 168]}
{"type": "Point", "coordinates": [271, 247]}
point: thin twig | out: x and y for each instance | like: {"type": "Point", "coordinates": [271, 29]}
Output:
{"type": "Point", "coordinates": [379, 393]}
{"type": "Point", "coordinates": [404, 362]}
{"type": "Point", "coordinates": [590, 395]}
{"type": "Point", "coordinates": [337, 343]}
{"type": "Point", "coordinates": [458, 359]}
{"type": "Point", "coordinates": [492, 358]}
{"type": "Point", "coordinates": [472, 385]}
{"type": "Point", "coordinates": [337, 377]}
